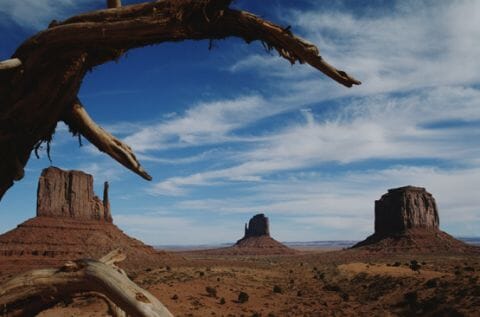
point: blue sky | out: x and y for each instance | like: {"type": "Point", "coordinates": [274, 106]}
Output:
{"type": "Point", "coordinates": [234, 131]}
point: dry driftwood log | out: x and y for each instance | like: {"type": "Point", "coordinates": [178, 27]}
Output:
{"type": "Point", "coordinates": [39, 85]}
{"type": "Point", "coordinates": [31, 292]}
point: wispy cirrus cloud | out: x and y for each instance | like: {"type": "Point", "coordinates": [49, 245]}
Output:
{"type": "Point", "coordinates": [414, 45]}
{"type": "Point", "coordinates": [371, 128]}
{"type": "Point", "coordinates": [37, 14]}
{"type": "Point", "coordinates": [204, 123]}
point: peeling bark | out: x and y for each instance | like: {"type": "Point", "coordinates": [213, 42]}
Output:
{"type": "Point", "coordinates": [35, 95]}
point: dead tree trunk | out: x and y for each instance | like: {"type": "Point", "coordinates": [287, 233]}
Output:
{"type": "Point", "coordinates": [31, 292]}
{"type": "Point", "coordinates": [39, 85]}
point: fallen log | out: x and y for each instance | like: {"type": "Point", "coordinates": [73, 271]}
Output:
{"type": "Point", "coordinates": [29, 293]}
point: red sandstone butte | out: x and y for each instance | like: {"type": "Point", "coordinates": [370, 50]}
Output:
{"type": "Point", "coordinates": [71, 223]}
{"type": "Point", "coordinates": [406, 218]}
{"type": "Point", "coordinates": [257, 239]}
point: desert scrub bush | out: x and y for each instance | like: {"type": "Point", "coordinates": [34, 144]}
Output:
{"type": "Point", "coordinates": [344, 296]}
{"type": "Point", "coordinates": [331, 288]}
{"type": "Point", "coordinates": [431, 283]}
{"type": "Point", "coordinates": [414, 265]}
{"type": "Point", "coordinates": [411, 298]}
{"type": "Point", "coordinates": [379, 286]}
{"type": "Point", "coordinates": [469, 269]}
{"type": "Point", "coordinates": [319, 276]}
{"type": "Point", "coordinates": [222, 301]}
{"type": "Point", "coordinates": [243, 297]}
{"type": "Point", "coordinates": [211, 291]}
{"type": "Point", "coordinates": [277, 289]}
{"type": "Point", "coordinates": [360, 277]}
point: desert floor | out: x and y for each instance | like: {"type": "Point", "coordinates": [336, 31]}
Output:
{"type": "Point", "coordinates": [311, 283]}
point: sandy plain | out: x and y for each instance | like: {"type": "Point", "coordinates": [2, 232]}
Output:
{"type": "Point", "coordinates": [309, 283]}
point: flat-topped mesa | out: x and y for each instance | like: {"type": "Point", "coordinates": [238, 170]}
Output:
{"type": "Point", "coordinates": [69, 194]}
{"type": "Point", "coordinates": [404, 208]}
{"type": "Point", "coordinates": [257, 226]}
{"type": "Point", "coordinates": [406, 220]}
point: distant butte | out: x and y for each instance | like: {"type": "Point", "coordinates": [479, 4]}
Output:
{"type": "Point", "coordinates": [406, 218]}
{"type": "Point", "coordinates": [71, 223]}
{"type": "Point", "coordinates": [257, 238]}
{"type": "Point", "coordinates": [257, 226]}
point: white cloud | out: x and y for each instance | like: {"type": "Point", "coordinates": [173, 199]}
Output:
{"type": "Point", "coordinates": [414, 46]}
{"type": "Point", "coordinates": [37, 14]}
{"type": "Point", "coordinates": [205, 123]}
{"type": "Point", "coordinates": [163, 230]}
{"type": "Point", "coordinates": [102, 171]}
{"type": "Point", "coordinates": [380, 127]}
{"type": "Point", "coordinates": [205, 155]}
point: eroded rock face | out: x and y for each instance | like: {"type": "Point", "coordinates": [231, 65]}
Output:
{"type": "Point", "coordinates": [257, 226]}
{"type": "Point", "coordinates": [405, 208]}
{"type": "Point", "coordinates": [69, 194]}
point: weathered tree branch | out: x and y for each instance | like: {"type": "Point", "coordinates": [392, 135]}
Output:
{"type": "Point", "coordinates": [33, 291]}
{"type": "Point", "coordinates": [79, 121]}
{"type": "Point", "coordinates": [55, 61]}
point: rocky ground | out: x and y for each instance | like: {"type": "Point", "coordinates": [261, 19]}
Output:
{"type": "Point", "coordinates": [335, 283]}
